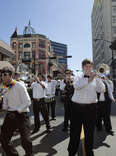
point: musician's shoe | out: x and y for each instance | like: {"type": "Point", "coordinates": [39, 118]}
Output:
{"type": "Point", "coordinates": [110, 132]}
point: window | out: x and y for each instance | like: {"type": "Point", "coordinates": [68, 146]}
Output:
{"type": "Point", "coordinates": [20, 55]}
{"type": "Point", "coordinates": [33, 54]}
{"type": "Point", "coordinates": [41, 44]}
{"type": "Point", "coordinates": [14, 45]}
{"type": "Point", "coordinates": [26, 55]}
{"type": "Point", "coordinates": [49, 48]}
{"type": "Point", "coordinates": [113, 10]}
{"type": "Point", "coordinates": [114, 30]}
{"type": "Point", "coordinates": [20, 45]}
{"type": "Point", "coordinates": [41, 68]}
{"type": "Point", "coordinates": [114, 19]}
{"type": "Point", "coordinates": [42, 55]}
{"type": "Point", "coordinates": [27, 45]}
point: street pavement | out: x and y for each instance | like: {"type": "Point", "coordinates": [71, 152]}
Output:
{"type": "Point", "coordinates": [56, 142]}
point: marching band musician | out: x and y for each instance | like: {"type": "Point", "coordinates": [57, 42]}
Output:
{"type": "Point", "coordinates": [83, 110]}
{"type": "Point", "coordinates": [50, 95]}
{"type": "Point", "coordinates": [104, 106]}
{"type": "Point", "coordinates": [67, 87]}
{"type": "Point", "coordinates": [16, 102]}
{"type": "Point", "coordinates": [39, 105]}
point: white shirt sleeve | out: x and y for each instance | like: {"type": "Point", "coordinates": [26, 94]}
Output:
{"type": "Point", "coordinates": [110, 89]}
{"type": "Point", "coordinates": [100, 87]}
{"type": "Point", "coordinates": [25, 99]}
{"type": "Point", "coordinates": [80, 83]}
{"type": "Point", "coordinates": [32, 85]}
{"type": "Point", "coordinates": [45, 84]}
{"type": "Point", "coordinates": [62, 85]}
{"type": "Point", "coordinates": [5, 102]}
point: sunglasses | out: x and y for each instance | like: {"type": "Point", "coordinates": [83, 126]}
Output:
{"type": "Point", "coordinates": [67, 73]}
{"type": "Point", "coordinates": [5, 74]}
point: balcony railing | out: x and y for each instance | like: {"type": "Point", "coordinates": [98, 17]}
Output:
{"type": "Point", "coordinates": [26, 60]}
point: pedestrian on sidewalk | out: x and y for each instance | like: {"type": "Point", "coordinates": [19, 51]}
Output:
{"type": "Point", "coordinates": [83, 110]}
{"type": "Point", "coordinates": [16, 102]}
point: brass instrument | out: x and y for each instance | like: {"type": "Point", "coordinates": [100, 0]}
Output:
{"type": "Point", "coordinates": [103, 70]}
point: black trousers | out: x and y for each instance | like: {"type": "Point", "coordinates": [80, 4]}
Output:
{"type": "Point", "coordinates": [67, 111]}
{"type": "Point", "coordinates": [82, 115]}
{"type": "Point", "coordinates": [52, 105]}
{"type": "Point", "coordinates": [13, 121]}
{"type": "Point", "coordinates": [40, 106]}
{"type": "Point", "coordinates": [103, 114]}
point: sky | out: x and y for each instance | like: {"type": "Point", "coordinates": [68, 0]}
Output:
{"type": "Point", "coordinates": [63, 21]}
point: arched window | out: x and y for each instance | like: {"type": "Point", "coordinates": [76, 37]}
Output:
{"type": "Point", "coordinates": [27, 45]}
{"type": "Point", "coordinates": [41, 55]}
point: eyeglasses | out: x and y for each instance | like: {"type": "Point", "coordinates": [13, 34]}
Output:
{"type": "Point", "coordinates": [5, 74]}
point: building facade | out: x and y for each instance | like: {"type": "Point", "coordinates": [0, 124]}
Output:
{"type": "Point", "coordinates": [103, 31]}
{"type": "Point", "coordinates": [33, 50]}
{"type": "Point", "coordinates": [6, 55]}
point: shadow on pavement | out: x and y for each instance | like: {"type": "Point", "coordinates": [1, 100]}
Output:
{"type": "Point", "coordinates": [99, 139]}
{"type": "Point", "coordinates": [113, 109]}
{"type": "Point", "coordinates": [48, 142]}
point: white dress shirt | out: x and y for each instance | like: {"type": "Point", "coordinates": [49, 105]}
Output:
{"type": "Point", "coordinates": [110, 87]}
{"type": "Point", "coordinates": [62, 85]}
{"type": "Point", "coordinates": [17, 99]}
{"type": "Point", "coordinates": [86, 93]}
{"type": "Point", "coordinates": [51, 88]}
{"type": "Point", "coordinates": [38, 91]}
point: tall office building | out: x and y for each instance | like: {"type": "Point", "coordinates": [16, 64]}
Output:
{"type": "Point", "coordinates": [60, 50]}
{"type": "Point", "coordinates": [103, 31]}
